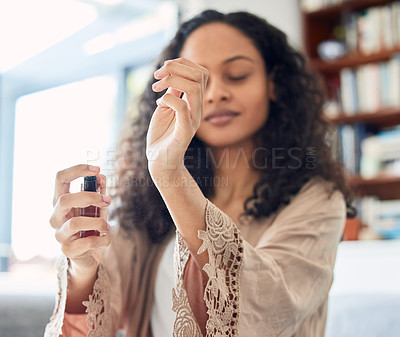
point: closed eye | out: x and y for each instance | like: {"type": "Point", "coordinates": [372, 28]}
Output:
{"type": "Point", "coordinates": [238, 78]}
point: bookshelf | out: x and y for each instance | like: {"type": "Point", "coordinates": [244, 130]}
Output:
{"type": "Point", "coordinates": [338, 7]}
{"type": "Point", "coordinates": [352, 60]}
{"type": "Point", "coordinates": [385, 187]}
{"type": "Point", "coordinates": [370, 31]}
{"type": "Point", "coordinates": [383, 117]}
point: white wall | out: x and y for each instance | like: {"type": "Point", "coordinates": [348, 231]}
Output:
{"type": "Point", "coordinates": [284, 14]}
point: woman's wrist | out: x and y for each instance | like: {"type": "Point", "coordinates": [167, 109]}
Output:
{"type": "Point", "coordinates": [80, 286]}
{"type": "Point", "coordinates": [182, 189]}
{"type": "Point", "coordinates": [81, 276]}
{"type": "Point", "coordinates": [169, 176]}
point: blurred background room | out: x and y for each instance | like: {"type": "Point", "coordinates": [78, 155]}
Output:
{"type": "Point", "coordinates": [71, 72]}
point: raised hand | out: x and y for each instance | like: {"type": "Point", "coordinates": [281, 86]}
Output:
{"type": "Point", "coordinates": [177, 116]}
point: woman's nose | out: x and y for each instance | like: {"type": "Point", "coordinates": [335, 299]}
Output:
{"type": "Point", "coordinates": [216, 92]}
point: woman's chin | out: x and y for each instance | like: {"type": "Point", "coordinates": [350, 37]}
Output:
{"type": "Point", "coordinates": [222, 141]}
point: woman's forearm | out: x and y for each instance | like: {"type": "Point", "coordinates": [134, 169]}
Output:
{"type": "Point", "coordinates": [186, 204]}
{"type": "Point", "coordinates": [80, 286]}
{"type": "Point", "coordinates": [173, 125]}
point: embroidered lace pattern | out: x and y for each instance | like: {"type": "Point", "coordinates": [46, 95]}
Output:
{"type": "Point", "coordinates": [224, 246]}
{"type": "Point", "coordinates": [185, 324]}
{"type": "Point", "coordinates": [98, 306]}
{"type": "Point", "coordinates": [54, 327]}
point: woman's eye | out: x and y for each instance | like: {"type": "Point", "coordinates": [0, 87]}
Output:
{"type": "Point", "coordinates": [237, 78]}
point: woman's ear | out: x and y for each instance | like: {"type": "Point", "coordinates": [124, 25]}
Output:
{"type": "Point", "coordinates": [271, 90]}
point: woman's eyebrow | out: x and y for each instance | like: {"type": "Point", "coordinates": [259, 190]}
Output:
{"type": "Point", "coordinates": [238, 57]}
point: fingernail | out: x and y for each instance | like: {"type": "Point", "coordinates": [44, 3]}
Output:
{"type": "Point", "coordinates": [155, 85]}
{"type": "Point", "coordinates": [108, 227]}
{"type": "Point", "coordinates": [157, 72]}
{"type": "Point", "coordinates": [106, 199]}
{"type": "Point", "coordinates": [158, 101]}
{"type": "Point", "coordinates": [93, 168]}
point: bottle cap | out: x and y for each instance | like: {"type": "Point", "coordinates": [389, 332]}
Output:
{"type": "Point", "coordinates": [90, 183]}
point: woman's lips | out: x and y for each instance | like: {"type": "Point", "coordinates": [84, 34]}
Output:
{"type": "Point", "coordinates": [221, 117]}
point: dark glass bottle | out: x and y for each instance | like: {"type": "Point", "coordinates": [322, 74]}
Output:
{"type": "Point", "coordinates": [90, 185]}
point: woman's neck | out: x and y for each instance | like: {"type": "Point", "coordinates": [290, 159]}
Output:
{"type": "Point", "coordinates": [235, 170]}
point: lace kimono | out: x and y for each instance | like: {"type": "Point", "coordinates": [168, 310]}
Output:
{"type": "Point", "coordinates": [269, 277]}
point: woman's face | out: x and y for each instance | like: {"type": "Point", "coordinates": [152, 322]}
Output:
{"type": "Point", "coordinates": [237, 96]}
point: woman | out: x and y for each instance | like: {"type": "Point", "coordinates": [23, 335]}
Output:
{"type": "Point", "coordinates": [237, 163]}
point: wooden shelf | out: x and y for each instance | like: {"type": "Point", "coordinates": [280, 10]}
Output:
{"type": "Point", "coordinates": [351, 5]}
{"type": "Point", "coordinates": [384, 187]}
{"type": "Point", "coordinates": [320, 25]}
{"type": "Point", "coordinates": [352, 61]}
{"type": "Point", "coordinates": [385, 117]}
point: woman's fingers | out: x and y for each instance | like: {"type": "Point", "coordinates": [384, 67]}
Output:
{"type": "Point", "coordinates": [85, 250]}
{"type": "Point", "coordinates": [77, 249]}
{"type": "Point", "coordinates": [72, 227]}
{"type": "Point", "coordinates": [183, 68]}
{"type": "Point", "coordinates": [178, 83]}
{"type": "Point", "coordinates": [64, 178]}
{"type": "Point", "coordinates": [68, 201]}
{"type": "Point", "coordinates": [182, 76]}
{"type": "Point", "coordinates": [177, 117]}
{"type": "Point", "coordinates": [186, 61]}
{"type": "Point", "coordinates": [102, 183]}
{"type": "Point", "coordinates": [178, 105]}
{"type": "Point", "coordinates": [193, 94]}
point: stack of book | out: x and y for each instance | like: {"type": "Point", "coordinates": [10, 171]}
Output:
{"type": "Point", "coordinates": [367, 154]}
{"type": "Point", "coordinates": [380, 154]}
{"type": "Point", "coordinates": [370, 87]}
{"type": "Point", "coordinates": [382, 216]}
{"type": "Point", "coordinates": [373, 29]}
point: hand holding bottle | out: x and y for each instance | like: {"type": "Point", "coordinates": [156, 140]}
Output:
{"type": "Point", "coordinates": [84, 251]}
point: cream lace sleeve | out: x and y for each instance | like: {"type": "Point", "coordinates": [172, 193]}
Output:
{"type": "Point", "coordinates": [98, 317]}
{"type": "Point", "coordinates": [98, 307]}
{"type": "Point", "coordinates": [287, 276]}
{"type": "Point", "coordinates": [54, 327]}
{"type": "Point", "coordinates": [224, 246]}
{"type": "Point", "coordinates": [276, 286]}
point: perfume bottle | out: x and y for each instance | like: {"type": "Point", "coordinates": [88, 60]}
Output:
{"type": "Point", "coordinates": [90, 185]}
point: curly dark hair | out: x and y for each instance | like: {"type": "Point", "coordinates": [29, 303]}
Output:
{"type": "Point", "coordinates": [295, 127]}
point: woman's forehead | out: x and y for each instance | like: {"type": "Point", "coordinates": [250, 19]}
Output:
{"type": "Point", "coordinates": [217, 43]}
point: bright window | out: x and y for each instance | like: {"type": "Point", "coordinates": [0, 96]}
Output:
{"type": "Point", "coordinates": [55, 129]}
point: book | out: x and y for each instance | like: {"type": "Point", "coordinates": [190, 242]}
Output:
{"type": "Point", "coordinates": [382, 216]}
{"type": "Point", "coordinates": [373, 29]}
{"type": "Point", "coordinates": [393, 85]}
{"type": "Point", "coordinates": [348, 91]}
{"type": "Point", "coordinates": [370, 87]}
{"type": "Point", "coordinates": [347, 154]}
{"type": "Point", "coordinates": [351, 31]}
{"type": "Point", "coordinates": [380, 154]}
